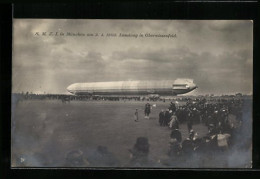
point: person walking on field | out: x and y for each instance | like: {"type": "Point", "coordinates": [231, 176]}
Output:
{"type": "Point", "coordinates": [147, 110]}
{"type": "Point", "coordinates": [136, 115]}
{"type": "Point", "coordinates": [161, 117]}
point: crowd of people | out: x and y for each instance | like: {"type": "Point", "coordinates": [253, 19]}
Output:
{"type": "Point", "coordinates": [224, 121]}
{"type": "Point", "coordinates": [211, 114]}
{"type": "Point", "coordinates": [69, 97]}
{"type": "Point", "coordinates": [66, 98]}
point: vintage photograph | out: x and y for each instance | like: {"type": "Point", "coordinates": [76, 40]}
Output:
{"type": "Point", "coordinates": [92, 93]}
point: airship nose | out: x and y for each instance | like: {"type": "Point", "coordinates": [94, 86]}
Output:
{"type": "Point", "coordinates": [69, 88]}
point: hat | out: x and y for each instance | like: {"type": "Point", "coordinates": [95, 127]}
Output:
{"type": "Point", "coordinates": [141, 145]}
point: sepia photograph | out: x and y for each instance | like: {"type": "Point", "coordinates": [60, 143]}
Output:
{"type": "Point", "coordinates": [94, 93]}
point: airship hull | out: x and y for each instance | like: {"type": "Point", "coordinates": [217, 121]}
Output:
{"type": "Point", "coordinates": [165, 87]}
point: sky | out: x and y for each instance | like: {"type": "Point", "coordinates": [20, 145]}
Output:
{"type": "Point", "coordinates": [217, 54]}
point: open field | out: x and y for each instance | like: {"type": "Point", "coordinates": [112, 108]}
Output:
{"type": "Point", "coordinates": [43, 132]}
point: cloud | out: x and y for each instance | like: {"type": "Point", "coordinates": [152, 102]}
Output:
{"type": "Point", "coordinates": [58, 41]}
{"type": "Point", "coordinates": [67, 50]}
{"type": "Point", "coordinates": [157, 55]}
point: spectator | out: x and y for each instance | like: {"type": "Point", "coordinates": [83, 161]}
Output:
{"type": "Point", "coordinates": [176, 134]}
{"type": "Point", "coordinates": [136, 115]}
{"type": "Point", "coordinates": [174, 123]}
{"type": "Point", "coordinates": [147, 110]}
{"type": "Point", "coordinates": [161, 117]}
{"type": "Point", "coordinates": [139, 154]}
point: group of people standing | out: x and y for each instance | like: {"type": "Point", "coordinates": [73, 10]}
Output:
{"type": "Point", "coordinates": [209, 114]}
{"type": "Point", "coordinates": [168, 117]}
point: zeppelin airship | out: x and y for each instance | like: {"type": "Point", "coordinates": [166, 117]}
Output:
{"type": "Point", "coordinates": [162, 88]}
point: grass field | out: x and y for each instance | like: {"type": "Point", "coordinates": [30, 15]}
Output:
{"type": "Point", "coordinates": [43, 132]}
